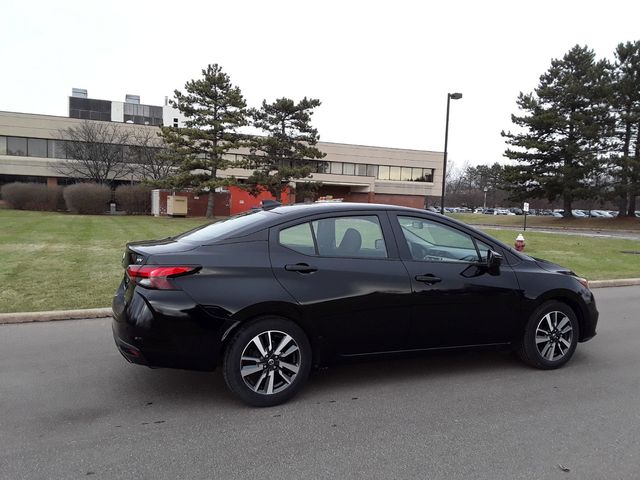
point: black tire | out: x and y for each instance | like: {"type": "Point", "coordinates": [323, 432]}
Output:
{"type": "Point", "coordinates": [543, 354]}
{"type": "Point", "coordinates": [270, 370]}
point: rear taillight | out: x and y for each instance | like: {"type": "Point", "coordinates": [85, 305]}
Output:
{"type": "Point", "coordinates": [158, 276]}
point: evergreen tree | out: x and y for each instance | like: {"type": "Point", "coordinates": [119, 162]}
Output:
{"type": "Point", "coordinates": [626, 105]}
{"type": "Point", "coordinates": [563, 133]}
{"type": "Point", "coordinates": [288, 146]}
{"type": "Point", "coordinates": [214, 109]}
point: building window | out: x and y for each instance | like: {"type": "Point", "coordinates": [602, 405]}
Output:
{"type": "Point", "coordinates": [322, 167]}
{"type": "Point", "coordinates": [3, 145]}
{"type": "Point", "coordinates": [361, 170]}
{"type": "Point", "coordinates": [55, 149]}
{"type": "Point", "coordinates": [37, 147]}
{"type": "Point", "coordinates": [349, 169]}
{"type": "Point", "coordinates": [372, 171]}
{"type": "Point", "coordinates": [336, 168]}
{"type": "Point", "coordinates": [394, 173]}
{"type": "Point", "coordinates": [423, 174]}
{"type": "Point", "coordinates": [17, 146]}
{"type": "Point", "coordinates": [383, 172]}
{"type": "Point", "coordinates": [405, 174]}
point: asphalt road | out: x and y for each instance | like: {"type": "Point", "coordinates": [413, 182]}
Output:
{"type": "Point", "coordinates": [71, 407]}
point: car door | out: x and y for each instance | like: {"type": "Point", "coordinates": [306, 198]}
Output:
{"type": "Point", "coordinates": [345, 273]}
{"type": "Point", "coordinates": [456, 299]}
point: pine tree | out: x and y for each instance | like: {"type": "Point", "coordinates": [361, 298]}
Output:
{"type": "Point", "coordinates": [288, 146]}
{"type": "Point", "coordinates": [626, 104]}
{"type": "Point", "coordinates": [563, 133]}
{"type": "Point", "coordinates": [214, 109]}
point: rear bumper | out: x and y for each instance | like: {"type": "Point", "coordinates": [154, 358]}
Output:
{"type": "Point", "coordinates": [165, 329]}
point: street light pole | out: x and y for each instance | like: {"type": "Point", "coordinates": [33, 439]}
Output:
{"type": "Point", "coordinates": [486, 189]}
{"type": "Point", "coordinates": [454, 96]}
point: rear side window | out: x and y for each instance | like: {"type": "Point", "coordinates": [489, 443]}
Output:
{"type": "Point", "coordinates": [351, 237]}
{"type": "Point", "coordinates": [298, 238]}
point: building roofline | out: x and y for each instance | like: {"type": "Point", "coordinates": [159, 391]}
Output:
{"type": "Point", "coordinates": [356, 145]}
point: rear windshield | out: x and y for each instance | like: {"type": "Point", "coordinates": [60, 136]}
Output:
{"type": "Point", "coordinates": [235, 226]}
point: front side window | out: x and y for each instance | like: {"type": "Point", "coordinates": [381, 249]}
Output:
{"type": "Point", "coordinates": [355, 237]}
{"type": "Point", "coordinates": [434, 242]}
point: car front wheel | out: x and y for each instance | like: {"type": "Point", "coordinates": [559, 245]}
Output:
{"type": "Point", "coordinates": [267, 362]}
{"type": "Point", "coordinates": [550, 336]}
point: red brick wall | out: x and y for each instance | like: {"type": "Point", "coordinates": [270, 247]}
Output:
{"type": "Point", "coordinates": [197, 204]}
{"type": "Point", "coordinates": [241, 200]}
{"type": "Point", "coordinates": [415, 201]}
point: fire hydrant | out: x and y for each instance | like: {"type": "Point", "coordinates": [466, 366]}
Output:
{"type": "Point", "coordinates": [520, 243]}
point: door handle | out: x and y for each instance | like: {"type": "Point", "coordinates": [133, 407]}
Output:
{"type": "Point", "coordinates": [428, 279]}
{"type": "Point", "coordinates": [300, 268]}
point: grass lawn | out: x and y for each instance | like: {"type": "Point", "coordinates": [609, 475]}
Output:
{"type": "Point", "coordinates": [517, 221]}
{"type": "Point", "coordinates": [53, 261]}
{"type": "Point", "coordinates": [595, 258]}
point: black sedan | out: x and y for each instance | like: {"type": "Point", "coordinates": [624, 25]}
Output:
{"type": "Point", "coordinates": [273, 293]}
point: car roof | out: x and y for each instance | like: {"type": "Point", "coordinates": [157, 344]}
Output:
{"type": "Point", "coordinates": [303, 209]}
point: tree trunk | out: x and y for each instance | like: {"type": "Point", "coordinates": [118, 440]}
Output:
{"type": "Point", "coordinates": [633, 183]}
{"type": "Point", "coordinates": [278, 194]}
{"type": "Point", "coordinates": [567, 207]}
{"type": "Point", "coordinates": [622, 204]}
{"type": "Point", "coordinates": [210, 204]}
{"type": "Point", "coordinates": [624, 179]}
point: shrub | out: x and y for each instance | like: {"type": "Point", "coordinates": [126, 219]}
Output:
{"type": "Point", "coordinates": [134, 199]}
{"type": "Point", "coordinates": [87, 198]}
{"type": "Point", "coordinates": [55, 199]}
{"type": "Point", "coordinates": [25, 196]}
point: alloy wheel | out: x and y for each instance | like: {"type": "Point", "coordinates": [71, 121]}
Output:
{"type": "Point", "coordinates": [554, 336]}
{"type": "Point", "coordinates": [270, 362]}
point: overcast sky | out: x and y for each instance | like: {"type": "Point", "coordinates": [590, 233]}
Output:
{"type": "Point", "coordinates": [381, 69]}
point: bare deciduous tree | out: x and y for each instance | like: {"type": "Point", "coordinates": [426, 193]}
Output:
{"type": "Point", "coordinates": [95, 151]}
{"type": "Point", "coordinates": [149, 156]}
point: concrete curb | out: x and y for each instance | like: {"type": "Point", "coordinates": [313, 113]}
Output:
{"type": "Point", "coordinates": [621, 282]}
{"type": "Point", "coordinates": [604, 231]}
{"type": "Point", "coordinates": [27, 317]}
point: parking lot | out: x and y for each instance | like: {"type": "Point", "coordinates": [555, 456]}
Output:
{"type": "Point", "coordinates": [73, 408]}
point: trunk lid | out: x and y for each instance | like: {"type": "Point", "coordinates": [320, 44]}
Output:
{"type": "Point", "coordinates": [137, 253]}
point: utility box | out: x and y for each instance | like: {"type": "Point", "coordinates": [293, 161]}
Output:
{"type": "Point", "coordinates": [176, 206]}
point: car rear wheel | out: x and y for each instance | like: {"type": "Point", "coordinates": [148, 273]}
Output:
{"type": "Point", "coordinates": [267, 362]}
{"type": "Point", "coordinates": [550, 336]}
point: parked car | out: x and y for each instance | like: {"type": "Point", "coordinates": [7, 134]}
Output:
{"type": "Point", "coordinates": [501, 211]}
{"type": "Point", "coordinates": [432, 209]}
{"type": "Point", "coordinates": [516, 211]}
{"type": "Point", "coordinates": [574, 213]}
{"type": "Point", "coordinates": [488, 211]}
{"type": "Point", "coordinates": [271, 294]}
{"type": "Point", "coordinates": [600, 214]}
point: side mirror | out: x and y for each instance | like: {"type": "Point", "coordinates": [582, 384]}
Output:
{"type": "Point", "coordinates": [494, 260]}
